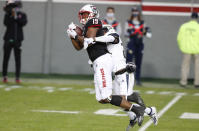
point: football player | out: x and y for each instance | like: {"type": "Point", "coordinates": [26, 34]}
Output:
{"type": "Point", "coordinates": [101, 59]}
{"type": "Point", "coordinates": [115, 47]}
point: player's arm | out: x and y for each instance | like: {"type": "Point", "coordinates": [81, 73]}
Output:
{"type": "Point", "coordinates": [147, 31]}
{"type": "Point", "coordinates": [111, 38]}
{"type": "Point", "coordinates": [77, 42]}
{"type": "Point", "coordinates": [92, 31]}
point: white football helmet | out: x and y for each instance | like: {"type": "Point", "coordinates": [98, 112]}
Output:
{"type": "Point", "coordinates": [91, 10]}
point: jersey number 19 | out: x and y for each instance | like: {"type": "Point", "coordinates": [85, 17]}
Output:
{"type": "Point", "coordinates": [95, 21]}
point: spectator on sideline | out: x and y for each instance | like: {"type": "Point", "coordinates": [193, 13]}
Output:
{"type": "Point", "coordinates": [135, 30]}
{"type": "Point", "coordinates": [14, 20]}
{"type": "Point", "coordinates": [111, 20]}
{"type": "Point", "coordinates": [188, 42]}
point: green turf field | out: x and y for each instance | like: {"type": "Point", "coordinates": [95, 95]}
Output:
{"type": "Point", "coordinates": [22, 107]}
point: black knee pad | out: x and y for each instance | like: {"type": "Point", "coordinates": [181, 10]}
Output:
{"type": "Point", "coordinates": [116, 100]}
{"type": "Point", "coordinates": [135, 97]}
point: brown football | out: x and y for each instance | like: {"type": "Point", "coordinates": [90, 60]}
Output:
{"type": "Point", "coordinates": [78, 30]}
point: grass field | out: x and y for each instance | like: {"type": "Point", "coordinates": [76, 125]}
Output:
{"type": "Point", "coordinates": [29, 106]}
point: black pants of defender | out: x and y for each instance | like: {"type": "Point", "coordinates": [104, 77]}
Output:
{"type": "Point", "coordinates": [8, 46]}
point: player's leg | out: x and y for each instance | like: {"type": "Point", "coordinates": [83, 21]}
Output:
{"type": "Point", "coordinates": [7, 51]}
{"type": "Point", "coordinates": [130, 83]}
{"type": "Point", "coordinates": [138, 62]}
{"type": "Point", "coordinates": [185, 69]}
{"type": "Point", "coordinates": [196, 81]}
{"type": "Point", "coordinates": [135, 96]}
{"type": "Point", "coordinates": [120, 86]}
{"type": "Point", "coordinates": [132, 96]}
{"type": "Point", "coordinates": [151, 112]}
{"type": "Point", "coordinates": [129, 52]}
{"type": "Point", "coordinates": [17, 55]}
{"type": "Point", "coordinates": [123, 103]}
{"type": "Point", "coordinates": [103, 79]}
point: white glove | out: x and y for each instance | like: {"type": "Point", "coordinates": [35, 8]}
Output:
{"type": "Point", "coordinates": [88, 41]}
{"type": "Point", "coordinates": [71, 33]}
{"type": "Point", "coordinates": [72, 26]}
{"type": "Point", "coordinates": [148, 35]}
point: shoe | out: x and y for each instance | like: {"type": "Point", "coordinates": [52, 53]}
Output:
{"type": "Point", "coordinates": [182, 85]}
{"type": "Point", "coordinates": [139, 111]}
{"type": "Point", "coordinates": [131, 124]}
{"type": "Point", "coordinates": [18, 81]}
{"type": "Point", "coordinates": [5, 80]}
{"type": "Point", "coordinates": [153, 115]}
{"type": "Point", "coordinates": [196, 86]}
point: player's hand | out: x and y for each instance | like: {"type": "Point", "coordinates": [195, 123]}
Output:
{"type": "Point", "coordinates": [130, 67]}
{"type": "Point", "coordinates": [72, 26]}
{"type": "Point", "coordinates": [87, 42]}
{"type": "Point", "coordinates": [71, 33]}
{"type": "Point", "coordinates": [148, 35]}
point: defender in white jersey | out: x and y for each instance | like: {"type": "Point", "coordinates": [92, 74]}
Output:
{"type": "Point", "coordinates": [119, 62]}
{"type": "Point", "coordinates": [114, 45]}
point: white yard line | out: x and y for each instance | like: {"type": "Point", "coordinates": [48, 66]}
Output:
{"type": "Point", "coordinates": [150, 92]}
{"type": "Point", "coordinates": [196, 94]}
{"type": "Point", "coordinates": [109, 112]}
{"type": "Point", "coordinates": [187, 115]}
{"type": "Point", "coordinates": [166, 108]}
{"type": "Point", "coordinates": [53, 111]}
{"type": "Point", "coordinates": [165, 92]}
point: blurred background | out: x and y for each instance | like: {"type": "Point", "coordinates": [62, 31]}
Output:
{"type": "Point", "coordinates": [47, 48]}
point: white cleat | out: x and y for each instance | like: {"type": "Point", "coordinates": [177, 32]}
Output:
{"type": "Point", "coordinates": [154, 116]}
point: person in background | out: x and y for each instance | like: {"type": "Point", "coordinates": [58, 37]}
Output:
{"type": "Point", "coordinates": [111, 20]}
{"type": "Point", "coordinates": [14, 20]}
{"type": "Point", "coordinates": [135, 30]}
{"type": "Point", "coordinates": [188, 42]}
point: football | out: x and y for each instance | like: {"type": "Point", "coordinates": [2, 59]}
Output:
{"type": "Point", "coordinates": [78, 30]}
